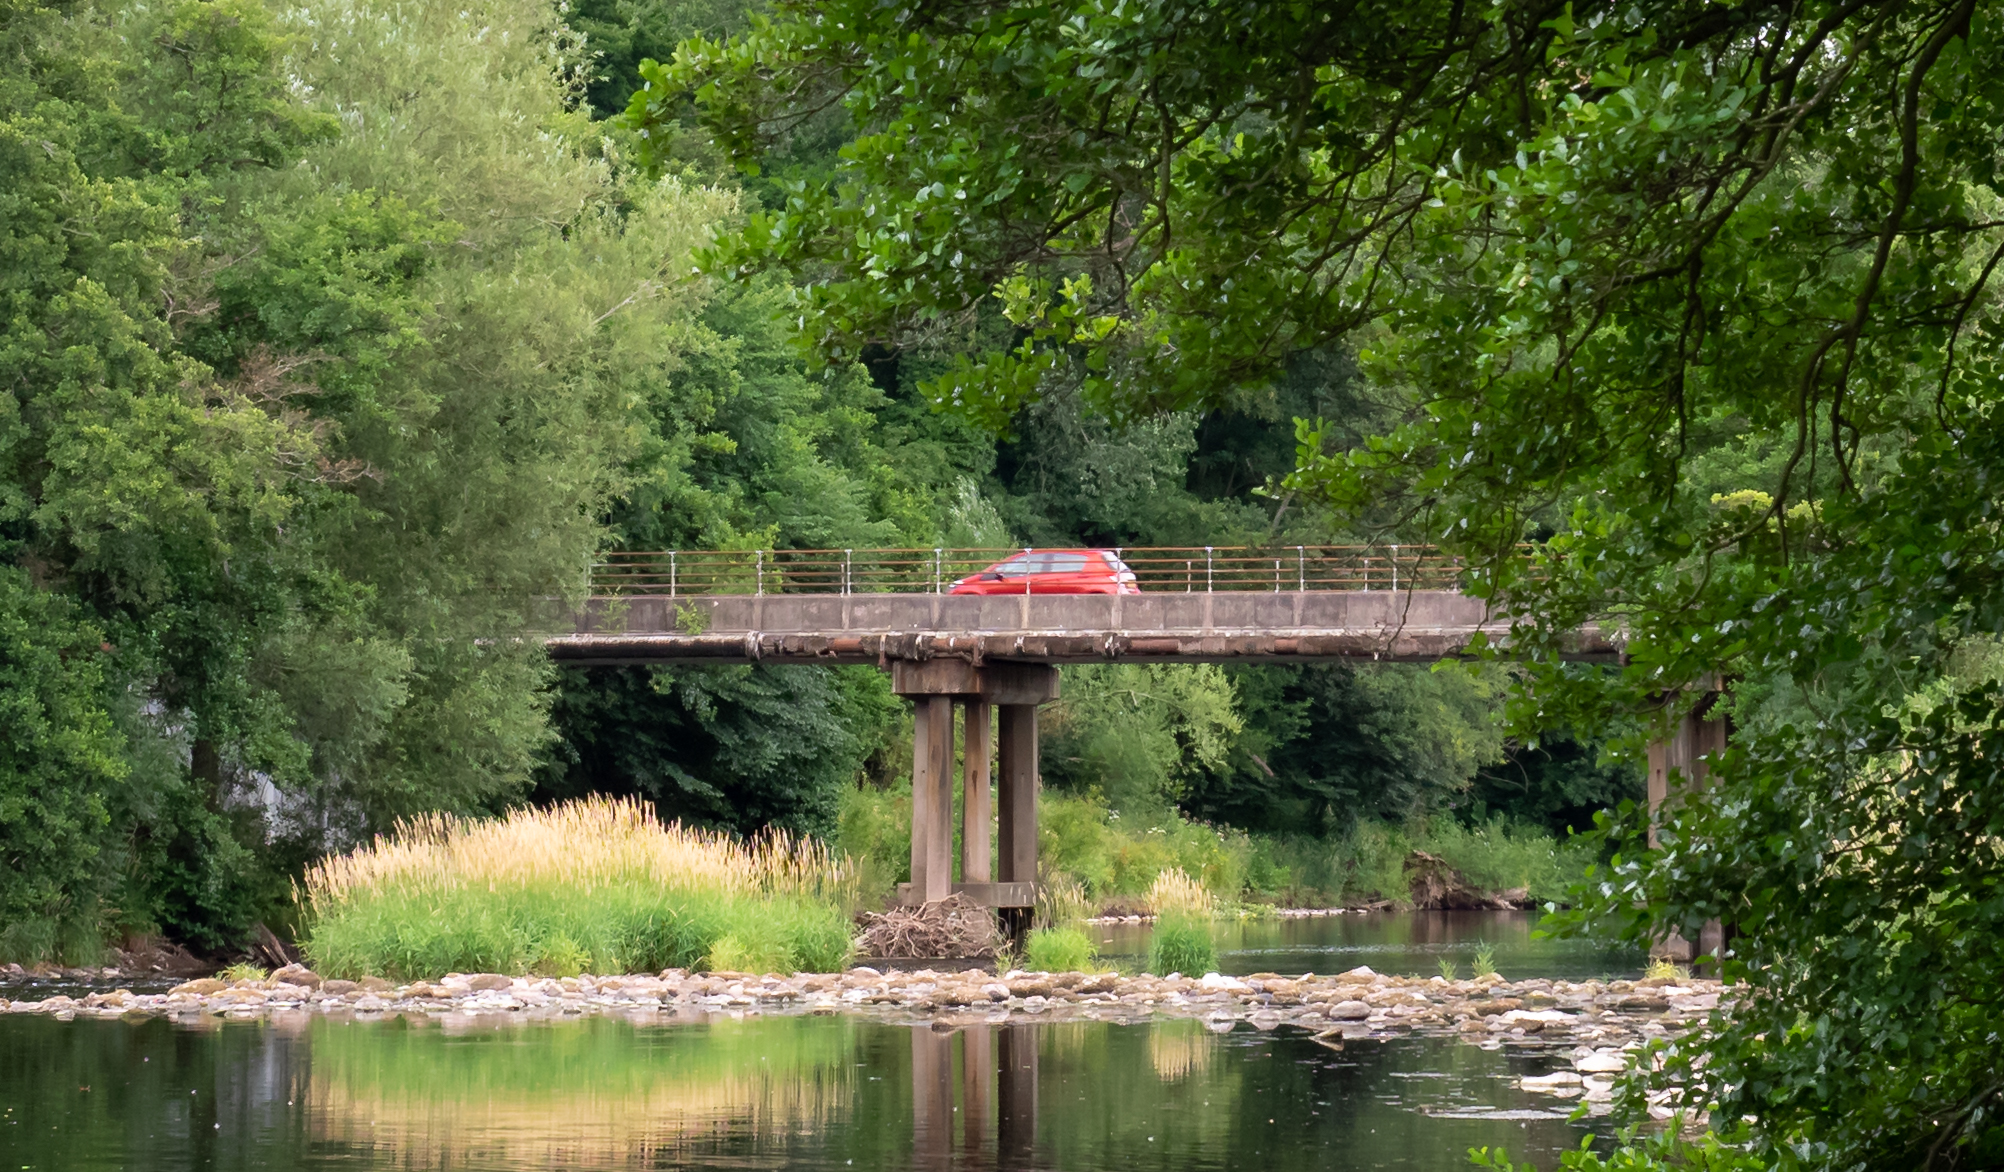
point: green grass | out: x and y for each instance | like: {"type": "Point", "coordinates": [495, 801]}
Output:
{"type": "Point", "coordinates": [1182, 944]}
{"type": "Point", "coordinates": [1059, 950]}
{"type": "Point", "coordinates": [1484, 964]}
{"type": "Point", "coordinates": [598, 886]}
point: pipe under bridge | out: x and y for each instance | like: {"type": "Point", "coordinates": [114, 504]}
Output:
{"type": "Point", "coordinates": [991, 659]}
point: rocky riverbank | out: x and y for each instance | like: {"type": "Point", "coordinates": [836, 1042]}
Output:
{"type": "Point", "coordinates": [1355, 1004]}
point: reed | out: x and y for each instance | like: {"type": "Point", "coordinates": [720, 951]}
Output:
{"type": "Point", "coordinates": [1181, 942]}
{"type": "Point", "coordinates": [597, 884]}
{"type": "Point", "coordinates": [1175, 894]}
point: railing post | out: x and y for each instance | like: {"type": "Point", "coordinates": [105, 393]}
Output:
{"type": "Point", "coordinates": [1395, 569]}
{"type": "Point", "coordinates": [937, 561]}
{"type": "Point", "coordinates": [1301, 566]}
{"type": "Point", "coordinates": [671, 573]}
{"type": "Point", "coordinates": [758, 563]}
{"type": "Point", "coordinates": [1210, 580]}
{"type": "Point", "coordinates": [1276, 575]}
{"type": "Point", "coordinates": [1189, 576]}
{"type": "Point", "coordinates": [848, 556]}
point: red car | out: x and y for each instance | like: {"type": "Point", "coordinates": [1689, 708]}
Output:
{"type": "Point", "coordinates": [1053, 571]}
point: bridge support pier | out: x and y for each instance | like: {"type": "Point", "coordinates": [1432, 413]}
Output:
{"type": "Point", "coordinates": [1680, 764]}
{"type": "Point", "coordinates": [1012, 691]}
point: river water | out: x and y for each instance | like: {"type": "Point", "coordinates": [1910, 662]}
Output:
{"type": "Point", "coordinates": [464, 1092]}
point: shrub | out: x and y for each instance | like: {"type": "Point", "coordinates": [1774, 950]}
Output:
{"type": "Point", "coordinates": [1059, 950]}
{"type": "Point", "coordinates": [596, 884]}
{"type": "Point", "coordinates": [1182, 944]}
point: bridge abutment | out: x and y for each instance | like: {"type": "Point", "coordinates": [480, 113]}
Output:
{"type": "Point", "coordinates": [1012, 692]}
{"type": "Point", "coordinates": [1680, 766]}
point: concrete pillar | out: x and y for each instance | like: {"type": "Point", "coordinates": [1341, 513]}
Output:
{"type": "Point", "coordinates": [932, 798]}
{"type": "Point", "coordinates": [1013, 690]}
{"type": "Point", "coordinates": [1680, 765]}
{"type": "Point", "coordinates": [1016, 832]}
{"type": "Point", "coordinates": [976, 810]}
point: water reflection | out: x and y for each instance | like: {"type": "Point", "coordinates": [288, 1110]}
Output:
{"type": "Point", "coordinates": [802, 1092]}
{"type": "Point", "coordinates": [1401, 943]}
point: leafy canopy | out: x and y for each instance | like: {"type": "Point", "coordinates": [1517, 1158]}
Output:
{"type": "Point", "coordinates": [1699, 297]}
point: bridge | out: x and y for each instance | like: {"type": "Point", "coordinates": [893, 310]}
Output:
{"type": "Point", "coordinates": [992, 658]}
{"type": "Point", "coordinates": [1197, 605]}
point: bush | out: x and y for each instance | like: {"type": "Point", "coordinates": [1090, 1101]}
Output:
{"type": "Point", "coordinates": [1059, 950]}
{"type": "Point", "coordinates": [597, 884]}
{"type": "Point", "coordinates": [1182, 944]}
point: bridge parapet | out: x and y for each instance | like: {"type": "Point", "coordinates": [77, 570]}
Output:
{"type": "Point", "coordinates": [1405, 626]}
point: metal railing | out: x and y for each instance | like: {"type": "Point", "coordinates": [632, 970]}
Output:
{"type": "Point", "coordinates": [1184, 569]}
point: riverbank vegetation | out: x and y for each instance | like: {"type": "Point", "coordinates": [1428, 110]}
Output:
{"type": "Point", "coordinates": [1681, 317]}
{"type": "Point", "coordinates": [342, 335]}
{"type": "Point", "coordinates": [593, 886]}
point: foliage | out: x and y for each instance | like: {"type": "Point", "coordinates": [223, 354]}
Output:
{"type": "Point", "coordinates": [1556, 781]}
{"type": "Point", "coordinates": [1182, 943]}
{"type": "Point", "coordinates": [739, 748]}
{"type": "Point", "coordinates": [1065, 949]}
{"type": "Point", "coordinates": [1699, 298]}
{"type": "Point", "coordinates": [1137, 732]}
{"type": "Point", "coordinates": [1324, 745]}
{"type": "Point", "coordinates": [1643, 1152]}
{"type": "Point", "coordinates": [1367, 861]}
{"type": "Point", "coordinates": [1484, 964]}
{"type": "Point", "coordinates": [59, 757]}
{"type": "Point", "coordinates": [598, 884]}
{"type": "Point", "coordinates": [318, 363]}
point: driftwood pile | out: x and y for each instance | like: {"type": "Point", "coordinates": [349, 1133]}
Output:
{"type": "Point", "coordinates": [1436, 884]}
{"type": "Point", "coordinates": [951, 927]}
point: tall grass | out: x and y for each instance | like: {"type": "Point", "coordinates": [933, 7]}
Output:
{"type": "Point", "coordinates": [1367, 861]}
{"type": "Point", "coordinates": [1181, 942]}
{"type": "Point", "coordinates": [1116, 859]}
{"type": "Point", "coordinates": [595, 885]}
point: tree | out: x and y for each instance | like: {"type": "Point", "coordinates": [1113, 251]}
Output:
{"type": "Point", "coordinates": [1327, 745]}
{"type": "Point", "coordinates": [1699, 297]}
{"type": "Point", "coordinates": [739, 748]}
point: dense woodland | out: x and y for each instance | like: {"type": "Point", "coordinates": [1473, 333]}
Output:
{"type": "Point", "coordinates": [338, 336]}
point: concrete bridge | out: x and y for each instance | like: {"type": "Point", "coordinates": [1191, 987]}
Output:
{"type": "Point", "coordinates": [992, 659]}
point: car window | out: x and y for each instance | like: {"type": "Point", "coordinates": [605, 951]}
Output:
{"type": "Point", "coordinates": [1042, 563]}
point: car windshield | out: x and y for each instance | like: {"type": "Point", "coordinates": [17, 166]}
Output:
{"type": "Point", "coordinates": [1042, 563]}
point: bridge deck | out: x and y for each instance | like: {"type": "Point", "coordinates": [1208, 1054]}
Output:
{"type": "Point", "coordinates": [1165, 627]}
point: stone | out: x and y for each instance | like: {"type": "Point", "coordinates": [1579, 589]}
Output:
{"type": "Point", "coordinates": [1602, 1062]}
{"type": "Point", "coordinates": [339, 988]}
{"type": "Point", "coordinates": [202, 987]}
{"type": "Point", "coordinates": [482, 982]}
{"type": "Point", "coordinates": [297, 974]}
{"type": "Point", "coordinates": [1558, 1078]}
{"type": "Point", "coordinates": [1362, 972]}
{"type": "Point", "coordinates": [996, 991]}
{"type": "Point", "coordinates": [1348, 1011]}
{"type": "Point", "coordinates": [376, 984]}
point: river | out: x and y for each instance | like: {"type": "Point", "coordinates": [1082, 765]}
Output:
{"type": "Point", "coordinates": [454, 1091]}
